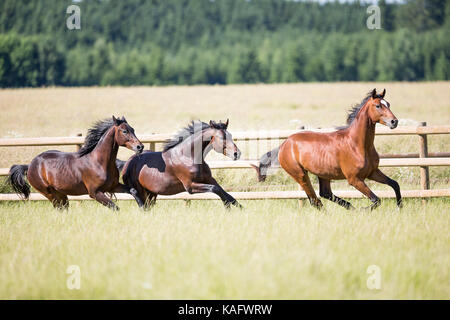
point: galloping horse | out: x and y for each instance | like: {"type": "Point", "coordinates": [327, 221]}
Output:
{"type": "Point", "coordinates": [181, 165]}
{"type": "Point", "coordinates": [92, 170]}
{"type": "Point", "coordinates": [348, 153]}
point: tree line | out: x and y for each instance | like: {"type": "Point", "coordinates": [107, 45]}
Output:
{"type": "Point", "coordinates": [222, 41]}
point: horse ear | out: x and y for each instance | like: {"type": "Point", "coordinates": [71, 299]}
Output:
{"type": "Point", "coordinates": [123, 119]}
{"type": "Point", "coordinates": [384, 92]}
{"type": "Point", "coordinates": [115, 120]}
{"type": "Point", "coordinates": [374, 93]}
{"type": "Point", "coordinates": [211, 123]}
{"type": "Point", "coordinates": [226, 123]}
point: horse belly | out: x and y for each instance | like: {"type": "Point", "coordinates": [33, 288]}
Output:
{"type": "Point", "coordinates": [329, 173]}
{"type": "Point", "coordinates": [69, 182]}
{"type": "Point", "coordinates": [160, 183]}
{"type": "Point", "coordinates": [322, 163]}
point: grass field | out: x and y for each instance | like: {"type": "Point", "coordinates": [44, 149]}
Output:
{"type": "Point", "coordinates": [268, 250]}
{"type": "Point", "coordinates": [271, 249]}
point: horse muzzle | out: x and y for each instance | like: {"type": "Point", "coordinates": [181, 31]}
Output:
{"type": "Point", "coordinates": [390, 123]}
{"type": "Point", "coordinates": [139, 148]}
{"type": "Point", "coordinates": [393, 123]}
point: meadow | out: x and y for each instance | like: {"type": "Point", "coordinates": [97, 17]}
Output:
{"type": "Point", "coordinates": [270, 249]}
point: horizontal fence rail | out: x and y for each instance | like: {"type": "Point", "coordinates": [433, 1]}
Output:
{"type": "Point", "coordinates": [255, 195]}
{"type": "Point", "coordinates": [239, 136]}
{"type": "Point", "coordinates": [391, 162]}
{"type": "Point", "coordinates": [402, 162]}
{"type": "Point", "coordinates": [422, 159]}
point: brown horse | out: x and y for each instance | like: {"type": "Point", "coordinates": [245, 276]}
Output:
{"type": "Point", "coordinates": [347, 153]}
{"type": "Point", "coordinates": [181, 165]}
{"type": "Point", "coordinates": [92, 170]}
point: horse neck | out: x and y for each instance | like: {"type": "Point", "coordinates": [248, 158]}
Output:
{"type": "Point", "coordinates": [187, 147]}
{"type": "Point", "coordinates": [362, 130]}
{"type": "Point", "coordinates": [105, 152]}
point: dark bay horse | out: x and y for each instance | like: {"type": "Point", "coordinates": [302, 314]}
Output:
{"type": "Point", "coordinates": [347, 153]}
{"type": "Point", "coordinates": [181, 165]}
{"type": "Point", "coordinates": [92, 170]}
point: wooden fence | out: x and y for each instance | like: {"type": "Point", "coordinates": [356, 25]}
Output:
{"type": "Point", "coordinates": [422, 159]}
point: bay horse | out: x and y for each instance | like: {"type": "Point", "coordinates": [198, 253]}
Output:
{"type": "Point", "coordinates": [181, 165]}
{"type": "Point", "coordinates": [348, 153]}
{"type": "Point", "coordinates": [91, 170]}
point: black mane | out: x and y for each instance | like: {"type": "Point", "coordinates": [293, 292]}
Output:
{"type": "Point", "coordinates": [95, 133]}
{"type": "Point", "coordinates": [188, 131]}
{"type": "Point", "coordinates": [353, 112]}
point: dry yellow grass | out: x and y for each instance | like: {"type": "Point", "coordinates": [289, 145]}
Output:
{"type": "Point", "coordinates": [66, 111]}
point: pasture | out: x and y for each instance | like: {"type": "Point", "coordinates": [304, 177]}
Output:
{"type": "Point", "coordinates": [270, 249]}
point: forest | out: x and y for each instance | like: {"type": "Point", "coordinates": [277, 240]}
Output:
{"type": "Point", "coordinates": [185, 42]}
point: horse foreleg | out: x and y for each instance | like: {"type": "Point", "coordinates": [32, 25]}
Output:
{"type": "Point", "coordinates": [380, 177]}
{"type": "Point", "coordinates": [103, 199]}
{"type": "Point", "coordinates": [361, 186]}
{"type": "Point", "coordinates": [325, 192]}
{"type": "Point", "coordinates": [226, 198]}
{"type": "Point", "coordinates": [121, 188]}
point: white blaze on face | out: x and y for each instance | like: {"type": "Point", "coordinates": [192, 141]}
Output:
{"type": "Point", "coordinates": [384, 103]}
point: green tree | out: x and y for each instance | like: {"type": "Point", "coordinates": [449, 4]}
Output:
{"type": "Point", "coordinates": [245, 68]}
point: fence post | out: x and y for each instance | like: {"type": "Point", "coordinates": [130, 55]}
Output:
{"type": "Point", "coordinates": [423, 153]}
{"type": "Point", "coordinates": [78, 147]}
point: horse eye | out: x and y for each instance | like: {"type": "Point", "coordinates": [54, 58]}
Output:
{"type": "Point", "coordinates": [124, 131]}
{"type": "Point", "coordinates": [378, 106]}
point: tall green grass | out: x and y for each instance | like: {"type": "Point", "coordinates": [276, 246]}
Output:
{"type": "Point", "coordinates": [270, 249]}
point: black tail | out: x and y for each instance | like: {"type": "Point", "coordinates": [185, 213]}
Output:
{"type": "Point", "coordinates": [16, 179]}
{"type": "Point", "coordinates": [120, 164]}
{"type": "Point", "coordinates": [268, 160]}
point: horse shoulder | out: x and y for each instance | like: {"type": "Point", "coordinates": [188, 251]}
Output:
{"type": "Point", "coordinates": [92, 172]}
{"type": "Point", "coordinates": [351, 160]}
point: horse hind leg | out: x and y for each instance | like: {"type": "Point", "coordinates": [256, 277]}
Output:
{"type": "Point", "coordinates": [301, 176]}
{"type": "Point", "coordinates": [325, 192]}
{"type": "Point", "coordinates": [150, 200]}
{"type": "Point", "coordinates": [58, 199]}
{"type": "Point", "coordinates": [62, 202]}
{"type": "Point", "coordinates": [144, 198]}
